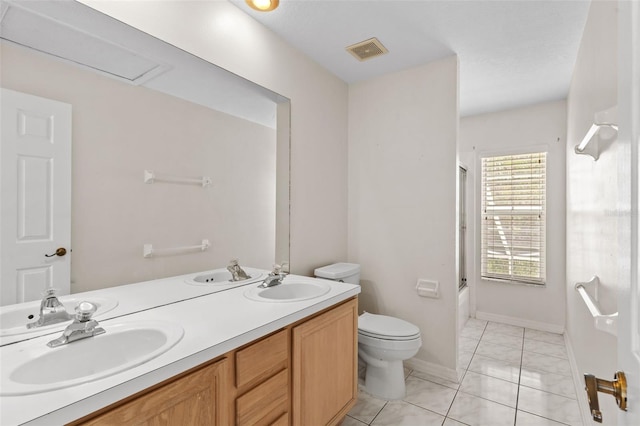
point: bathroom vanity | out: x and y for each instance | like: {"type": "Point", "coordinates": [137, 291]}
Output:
{"type": "Point", "coordinates": [304, 373]}
{"type": "Point", "coordinates": [240, 361]}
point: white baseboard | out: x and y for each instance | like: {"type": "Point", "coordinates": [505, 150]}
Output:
{"type": "Point", "coordinates": [433, 369]}
{"type": "Point", "coordinates": [519, 322]}
{"type": "Point", "coordinates": [578, 383]}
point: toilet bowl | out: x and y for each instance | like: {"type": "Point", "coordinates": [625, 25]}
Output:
{"type": "Point", "coordinates": [384, 342]}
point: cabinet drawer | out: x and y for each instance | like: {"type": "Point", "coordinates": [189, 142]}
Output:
{"type": "Point", "coordinates": [262, 359]}
{"type": "Point", "coordinates": [265, 403]}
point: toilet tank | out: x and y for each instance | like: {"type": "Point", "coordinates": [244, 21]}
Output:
{"type": "Point", "coordinates": [345, 272]}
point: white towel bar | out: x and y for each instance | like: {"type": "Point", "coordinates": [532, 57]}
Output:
{"type": "Point", "coordinates": [606, 323]}
{"type": "Point", "coordinates": [151, 177]}
{"type": "Point", "coordinates": [149, 251]}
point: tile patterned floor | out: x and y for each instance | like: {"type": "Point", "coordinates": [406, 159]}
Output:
{"type": "Point", "coordinates": [511, 376]}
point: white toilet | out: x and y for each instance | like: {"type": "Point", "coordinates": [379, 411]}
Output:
{"type": "Point", "coordinates": [383, 341]}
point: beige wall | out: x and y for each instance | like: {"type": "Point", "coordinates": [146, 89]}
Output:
{"type": "Point", "coordinates": [402, 199]}
{"type": "Point", "coordinates": [119, 130]}
{"type": "Point", "coordinates": [222, 34]}
{"type": "Point", "coordinates": [592, 233]}
{"type": "Point", "coordinates": [536, 128]}
{"type": "Point", "coordinates": [226, 36]}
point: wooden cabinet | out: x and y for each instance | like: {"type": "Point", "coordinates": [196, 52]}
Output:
{"type": "Point", "coordinates": [304, 374]}
{"type": "Point", "coordinates": [325, 365]}
{"type": "Point", "coordinates": [197, 398]}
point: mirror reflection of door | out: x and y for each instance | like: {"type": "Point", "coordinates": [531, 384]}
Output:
{"type": "Point", "coordinates": [36, 196]}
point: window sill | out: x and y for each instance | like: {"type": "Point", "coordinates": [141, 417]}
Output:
{"type": "Point", "coordinates": [513, 282]}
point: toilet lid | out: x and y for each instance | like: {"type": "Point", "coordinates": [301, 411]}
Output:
{"type": "Point", "coordinates": [384, 326]}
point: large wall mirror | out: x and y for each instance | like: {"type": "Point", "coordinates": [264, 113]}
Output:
{"type": "Point", "coordinates": [138, 103]}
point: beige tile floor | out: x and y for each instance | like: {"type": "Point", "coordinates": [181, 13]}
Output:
{"type": "Point", "coordinates": [511, 376]}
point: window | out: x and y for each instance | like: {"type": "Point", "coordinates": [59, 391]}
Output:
{"type": "Point", "coordinates": [513, 218]}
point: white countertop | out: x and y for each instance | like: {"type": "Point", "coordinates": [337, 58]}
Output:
{"type": "Point", "coordinates": [213, 325]}
{"type": "Point", "coordinates": [132, 298]}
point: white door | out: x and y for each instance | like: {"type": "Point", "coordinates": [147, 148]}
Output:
{"type": "Point", "coordinates": [629, 135]}
{"type": "Point", "coordinates": [35, 202]}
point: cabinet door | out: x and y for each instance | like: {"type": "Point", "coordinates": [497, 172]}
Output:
{"type": "Point", "coordinates": [325, 364]}
{"type": "Point", "coordinates": [195, 399]}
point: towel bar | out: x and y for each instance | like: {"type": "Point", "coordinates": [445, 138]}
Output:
{"type": "Point", "coordinates": [149, 251]}
{"type": "Point", "coordinates": [606, 323]}
{"type": "Point", "coordinates": [151, 177]}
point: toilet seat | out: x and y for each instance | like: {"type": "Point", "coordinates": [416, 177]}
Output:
{"type": "Point", "coordinates": [386, 328]}
{"type": "Point", "coordinates": [384, 337]}
{"type": "Point", "coordinates": [389, 344]}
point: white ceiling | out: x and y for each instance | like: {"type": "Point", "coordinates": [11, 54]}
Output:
{"type": "Point", "coordinates": [512, 52]}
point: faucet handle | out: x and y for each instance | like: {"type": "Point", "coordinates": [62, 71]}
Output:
{"type": "Point", "coordinates": [50, 300]}
{"type": "Point", "coordinates": [48, 292]}
{"type": "Point", "coordinates": [280, 268]}
{"type": "Point", "coordinates": [85, 310]}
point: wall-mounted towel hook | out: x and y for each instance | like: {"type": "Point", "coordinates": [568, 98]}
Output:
{"type": "Point", "coordinates": [603, 119]}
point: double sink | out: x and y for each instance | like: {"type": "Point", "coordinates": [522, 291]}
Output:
{"type": "Point", "coordinates": [32, 367]}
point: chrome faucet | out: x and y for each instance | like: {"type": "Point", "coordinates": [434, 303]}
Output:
{"type": "Point", "coordinates": [275, 277]}
{"type": "Point", "coordinates": [81, 328]}
{"type": "Point", "coordinates": [52, 311]}
{"type": "Point", "coordinates": [237, 273]}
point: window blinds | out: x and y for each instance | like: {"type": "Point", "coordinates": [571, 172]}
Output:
{"type": "Point", "coordinates": [513, 218]}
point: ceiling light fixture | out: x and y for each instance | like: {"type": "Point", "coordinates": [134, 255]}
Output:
{"type": "Point", "coordinates": [263, 5]}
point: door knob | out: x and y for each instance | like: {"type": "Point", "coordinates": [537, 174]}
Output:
{"type": "Point", "coordinates": [60, 251]}
{"type": "Point", "coordinates": [617, 388]}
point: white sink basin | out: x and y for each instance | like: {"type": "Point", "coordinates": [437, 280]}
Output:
{"type": "Point", "coordinates": [289, 291]}
{"type": "Point", "coordinates": [14, 318]}
{"type": "Point", "coordinates": [33, 367]}
{"type": "Point", "coordinates": [220, 277]}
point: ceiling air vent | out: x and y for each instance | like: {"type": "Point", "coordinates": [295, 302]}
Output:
{"type": "Point", "coordinates": [367, 49]}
